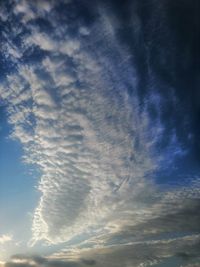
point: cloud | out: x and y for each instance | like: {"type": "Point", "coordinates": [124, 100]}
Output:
{"type": "Point", "coordinates": [184, 250]}
{"type": "Point", "coordinates": [79, 136]}
{"type": "Point", "coordinates": [143, 253]}
{"type": "Point", "coordinates": [76, 101]}
{"type": "Point", "coordinates": [22, 260]}
{"type": "Point", "coordinates": [5, 238]}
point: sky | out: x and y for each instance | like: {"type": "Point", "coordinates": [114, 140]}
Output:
{"type": "Point", "coordinates": [99, 133]}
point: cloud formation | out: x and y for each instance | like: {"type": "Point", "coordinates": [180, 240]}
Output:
{"type": "Point", "coordinates": [5, 239]}
{"type": "Point", "coordinates": [78, 130]}
{"type": "Point", "coordinates": [151, 253]}
{"type": "Point", "coordinates": [93, 119]}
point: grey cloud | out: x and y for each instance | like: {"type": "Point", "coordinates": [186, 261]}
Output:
{"type": "Point", "coordinates": [146, 253]}
{"type": "Point", "coordinates": [176, 219]}
{"type": "Point", "coordinates": [88, 262]}
{"type": "Point", "coordinates": [188, 256]}
{"type": "Point", "coordinates": [38, 261]}
{"type": "Point", "coordinates": [185, 250]}
{"type": "Point", "coordinates": [179, 220]}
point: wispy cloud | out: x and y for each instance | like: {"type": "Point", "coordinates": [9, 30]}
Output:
{"type": "Point", "coordinates": [5, 238]}
{"type": "Point", "coordinates": [141, 254]}
{"type": "Point", "coordinates": [81, 120]}
{"type": "Point", "coordinates": [71, 133]}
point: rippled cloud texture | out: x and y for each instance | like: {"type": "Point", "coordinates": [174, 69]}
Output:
{"type": "Point", "coordinates": [103, 97]}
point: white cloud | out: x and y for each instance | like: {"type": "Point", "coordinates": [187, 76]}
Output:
{"type": "Point", "coordinates": [5, 239]}
{"type": "Point", "coordinates": [81, 139]}
{"type": "Point", "coordinates": [94, 146]}
{"type": "Point", "coordinates": [30, 11]}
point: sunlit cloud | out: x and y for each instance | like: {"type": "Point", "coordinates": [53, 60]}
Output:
{"type": "Point", "coordinates": [103, 130]}
{"type": "Point", "coordinates": [5, 238]}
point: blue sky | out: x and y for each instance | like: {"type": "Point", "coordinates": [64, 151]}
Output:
{"type": "Point", "coordinates": [99, 134]}
{"type": "Point", "coordinates": [17, 185]}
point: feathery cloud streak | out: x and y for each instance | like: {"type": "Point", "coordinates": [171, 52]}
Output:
{"type": "Point", "coordinates": [73, 100]}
